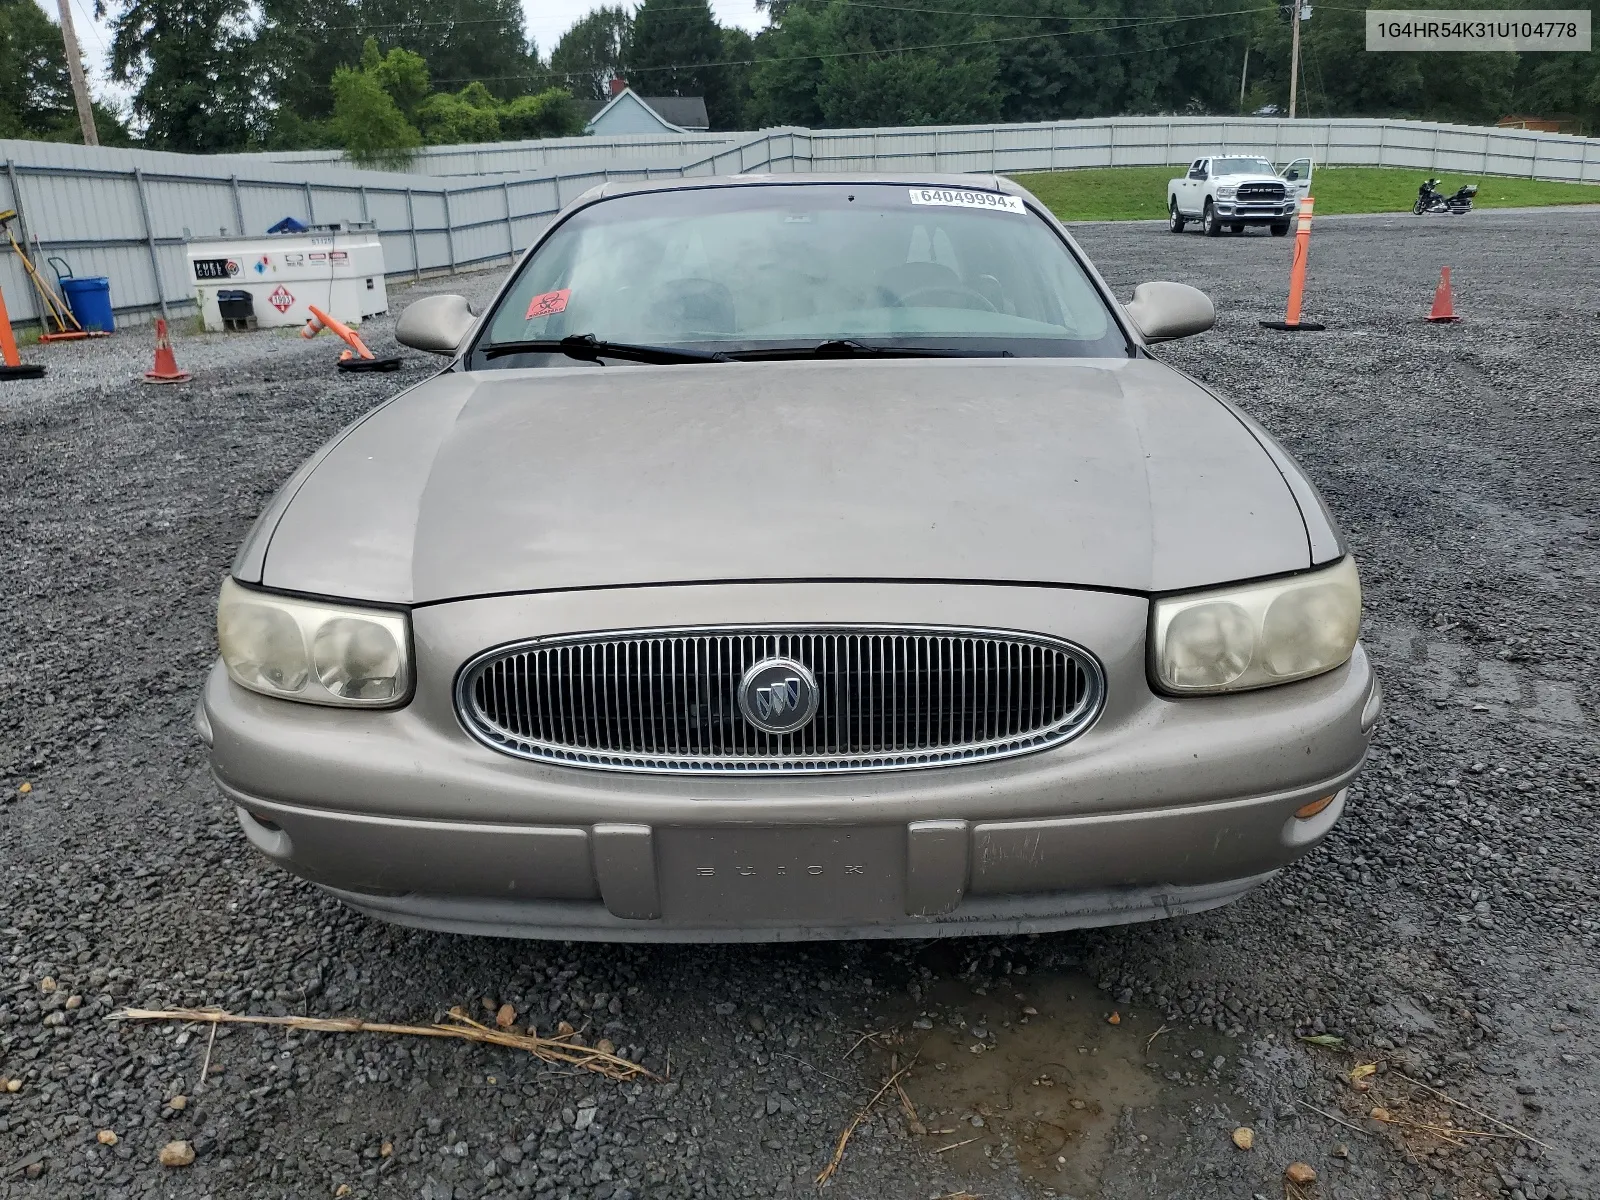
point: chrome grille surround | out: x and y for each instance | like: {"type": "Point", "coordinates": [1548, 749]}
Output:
{"type": "Point", "coordinates": [1261, 191]}
{"type": "Point", "coordinates": [892, 698]}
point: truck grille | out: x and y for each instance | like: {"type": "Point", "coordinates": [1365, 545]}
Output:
{"type": "Point", "coordinates": [1261, 191]}
{"type": "Point", "coordinates": [666, 700]}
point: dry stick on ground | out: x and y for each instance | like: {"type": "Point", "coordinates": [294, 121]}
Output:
{"type": "Point", "coordinates": [957, 1145]}
{"type": "Point", "coordinates": [1477, 1112]}
{"type": "Point", "coordinates": [1155, 1035]}
{"type": "Point", "coordinates": [1336, 1120]}
{"type": "Point", "coordinates": [205, 1064]}
{"type": "Point", "coordinates": [844, 1138]}
{"type": "Point", "coordinates": [913, 1122]}
{"type": "Point", "coordinates": [552, 1050]}
{"type": "Point", "coordinates": [1448, 1133]}
{"type": "Point", "coordinates": [865, 1037]}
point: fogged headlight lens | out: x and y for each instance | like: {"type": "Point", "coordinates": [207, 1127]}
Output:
{"type": "Point", "coordinates": [315, 653]}
{"type": "Point", "coordinates": [1226, 193]}
{"type": "Point", "coordinates": [1232, 639]}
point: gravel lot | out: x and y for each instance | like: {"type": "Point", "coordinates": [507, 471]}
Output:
{"type": "Point", "coordinates": [1447, 931]}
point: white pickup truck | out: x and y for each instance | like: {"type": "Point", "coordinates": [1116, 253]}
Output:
{"type": "Point", "coordinates": [1233, 191]}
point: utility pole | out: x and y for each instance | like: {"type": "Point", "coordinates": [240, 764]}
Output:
{"type": "Point", "coordinates": [1294, 59]}
{"type": "Point", "coordinates": [80, 86]}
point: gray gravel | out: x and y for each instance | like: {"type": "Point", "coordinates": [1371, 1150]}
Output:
{"type": "Point", "coordinates": [1447, 930]}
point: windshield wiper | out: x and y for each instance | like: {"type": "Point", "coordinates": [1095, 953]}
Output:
{"type": "Point", "coordinates": [587, 348]}
{"type": "Point", "coordinates": [850, 348]}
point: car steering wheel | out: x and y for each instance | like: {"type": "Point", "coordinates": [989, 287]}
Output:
{"type": "Point", "coordinates": [959, 290]}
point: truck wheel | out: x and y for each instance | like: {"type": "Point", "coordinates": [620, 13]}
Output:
{"type": "Point", "coordinates": [1279, 228]}
{"type": "Point", "coordinates": [1175, 221]}
{"type": "Point", "coordinates": [1209, 223]}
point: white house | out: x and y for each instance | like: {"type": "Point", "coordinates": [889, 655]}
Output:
{"type": "Point", "coordinates": [629, 112]}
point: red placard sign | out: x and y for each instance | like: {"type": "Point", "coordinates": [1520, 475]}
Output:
{"type": "Point", "coordinates": [547, 304]}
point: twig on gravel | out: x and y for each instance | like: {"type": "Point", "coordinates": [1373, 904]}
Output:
{"type": "Point", "coordinates": [957, 1145]}
{"type": "Point", "coordinates": [1321, 1112]}
{"type": "Point", "coordinates": [1155, 1035]}
{"type": "Point", "coordinates": [865, 1037]}
{"type": "Point", "coordinates": [913, 1122]}
{"type": "Point", "coordinates": [205, 1063]}
{"type": "Point", "coordinates": [810, 1067]}
{"type": "Point", "coordinates": [551, 1050]}
{"type": "Point", "coordinates": [828, 1171]}
{"type": "Point", "coordinates": [1477, 1112]}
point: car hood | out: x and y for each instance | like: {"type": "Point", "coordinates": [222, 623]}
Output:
{"type": "Point", "coordinates": [1100, 473]}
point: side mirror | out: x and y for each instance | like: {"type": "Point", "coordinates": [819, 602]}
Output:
{"type": "Point", "coordinates": [437, 324]}
{"type": "Point", "coordinates": [1164, 311]}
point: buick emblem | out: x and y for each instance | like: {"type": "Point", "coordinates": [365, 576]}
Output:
{"type": "Point", "coordinates": [778, 695]}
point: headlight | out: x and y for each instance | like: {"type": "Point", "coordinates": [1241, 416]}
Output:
{"type": "Point", "coordinates": [1226, 193]}
{"type": "Point", "coordinates": [1232, 639]}
{"type": "Point", "coordinates": [314, 653]}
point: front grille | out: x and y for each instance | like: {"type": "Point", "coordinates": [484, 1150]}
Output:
{"type": "Point", "coordinates": [1261, 191]}
{"type": "Point", "coordinates": [888, 698]}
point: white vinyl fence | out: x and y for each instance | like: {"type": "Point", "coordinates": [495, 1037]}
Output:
{"type": "Point", "coordinates": [126, 214]}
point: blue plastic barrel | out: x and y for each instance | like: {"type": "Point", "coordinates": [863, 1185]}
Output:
{"type": "Point", "coordinates": [90, 301]}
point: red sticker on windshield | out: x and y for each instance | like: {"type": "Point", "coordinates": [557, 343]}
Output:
{"type": "Point", "coordinates": [548, 304]}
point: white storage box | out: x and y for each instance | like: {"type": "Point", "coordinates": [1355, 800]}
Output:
{"type": "Point", "coordinates": [245, 283]}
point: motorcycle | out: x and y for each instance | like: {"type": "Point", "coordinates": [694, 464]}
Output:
{"type": "Point", "coordinates": [1431, 200]}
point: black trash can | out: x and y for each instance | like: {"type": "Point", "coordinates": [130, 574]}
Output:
{"type": "Point", "coordinates": [238, 310]}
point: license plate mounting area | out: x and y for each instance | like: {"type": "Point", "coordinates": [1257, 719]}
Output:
{"type": "Point", "coordinates": [782, 874]}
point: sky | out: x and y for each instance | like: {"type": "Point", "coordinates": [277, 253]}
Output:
{"type": "Point", "coordinates": [546, 21]}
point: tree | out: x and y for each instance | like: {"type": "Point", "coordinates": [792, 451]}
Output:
{"type": "Point", "coordinates": [591, 53]}
{"type": "Point", "coordinates": [739, 51]}
{"type": "Point", "coordinates": [470, 115]}
{"type": "Point", "coordinates": [35, 93]}
{"type": "Point", "coordinates": [466, 41]}
{"type": "Point", "coordinates": [843, 64]}
{"type": "Point", "coordinates": [367, 121]}
{"type": "Point", "coordinates": [677, 50]}
{"type": "Point", "coordinates": [298, 46]}
{"type": "Point", "coordinates": [551, 113]}
{"type": "Point", "coordinates": [401, 73]}
{"type": "Point", "coordinates": [1561, 84]}
{"type": "Point", "coordinates": [192, 62]}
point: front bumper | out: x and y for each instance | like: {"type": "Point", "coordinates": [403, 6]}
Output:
{"type": "Point", "coordinates": [1247, 213]}
{"type": "Point", "coordinates": [1162, 807]}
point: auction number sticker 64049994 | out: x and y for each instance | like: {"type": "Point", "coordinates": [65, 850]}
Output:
{"type": "Point", "coordinates": [955, 198]}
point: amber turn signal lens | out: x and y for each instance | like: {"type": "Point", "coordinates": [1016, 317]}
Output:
{"type": "Point", "coordinates": [1306, 811]}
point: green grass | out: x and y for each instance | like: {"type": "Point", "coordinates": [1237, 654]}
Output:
{"type": "Point", "coordinates": [1131, 193]}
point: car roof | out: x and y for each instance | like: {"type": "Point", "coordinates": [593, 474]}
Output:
{"type": "Point", "coordinates": [987, 183]}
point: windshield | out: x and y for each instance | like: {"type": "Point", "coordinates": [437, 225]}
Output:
{"type": "Point", "coordinates": [747, 270]}
{"type": "Point", "coordinates": [1241, 166]}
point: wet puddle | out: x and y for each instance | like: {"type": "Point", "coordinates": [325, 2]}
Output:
{"type": "Point", "coordinates": [1031, 1070]}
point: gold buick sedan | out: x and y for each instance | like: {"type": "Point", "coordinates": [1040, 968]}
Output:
{"type": "Point", "coordinates": [793, 557]}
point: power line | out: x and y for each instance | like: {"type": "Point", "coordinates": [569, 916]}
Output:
{"type": "Point", "coordinates": [963, 12]}
{"type": "Point", "coordinates": [1125, 22]}
{"type": "Point", "coordinates": [836, 54]}
{"type": "Point", "coordinates": [1026, 37]}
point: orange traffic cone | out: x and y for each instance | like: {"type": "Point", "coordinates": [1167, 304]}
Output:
{"type": "Point", "coordinates": [1291, 322]}
{"type": "Point", "coordinates": [358, 357]}
{"type": "Point", "coordinates": [1443, 309]}
{"type": "Point", "coordinates": [166, 368]}
{"type": "Point", "coordinates": [11, 364]}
